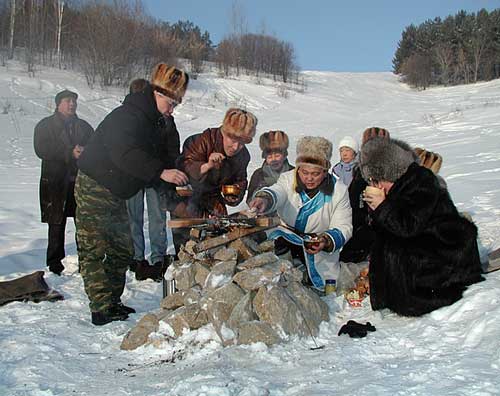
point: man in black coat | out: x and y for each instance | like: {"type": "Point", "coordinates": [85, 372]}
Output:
{"type": "Point", "coordinates": [425, 254]}
{"type": "Point", "coordinates": [123, 156]}
{"type": "Point", "coordinates": [59, 140]}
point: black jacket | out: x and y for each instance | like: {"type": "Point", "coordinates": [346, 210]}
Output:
{"type": "Point", "coordinates": [263, 178]}
{"type": "Point", "coordinates": [358, 247]}
{"type": "Point", "coordinates": [54, 141]}
{"type": "Point", "coordinates": [425, 254]}
{"type": "Point", "coordinates": [131, 147]}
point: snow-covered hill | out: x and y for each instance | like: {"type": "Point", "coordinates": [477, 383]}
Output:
{"type": "Point", "coordinates": [52, 348]}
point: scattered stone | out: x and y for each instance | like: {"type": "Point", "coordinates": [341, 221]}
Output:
{"type": "Point", "coordinates": [138, 335]}
{"type": "Point", "coordinates": [258, 261]}
{"type": "Point", "coordinates": [221, 274]}
{"type": "Point", "coordinates": [255, 331]}
{"type": "Point", "coordinates": [226, 254]}
{"type": "Point", "coordinates": [266, 246]}
{"type": "Point", "coordinates": [242, 312]}
{"type": "Point", "coordinates": [244, 252]}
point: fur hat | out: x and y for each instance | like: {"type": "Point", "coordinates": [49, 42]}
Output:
{"type": "Point", "coordinates": [169, 81]}
{"type": "Point", "coordinates": [429, 160]}
{"type": "Point", "coordinates": [273, 141]}
{"type": "Point", "coordinates": [138, 85]}
{"type": "Point", "coordinates": [385, 159]}
{"type": "Point", "coordinates": [65, 94]}
{"type": "Point", "coordinates": [313, 150]}
{"type": "Point", "coordinates": [348, 141]}
{"type": "Point", "coordinates": [240, 125]}
{"type": "Point", "coordinates": [372, 132]}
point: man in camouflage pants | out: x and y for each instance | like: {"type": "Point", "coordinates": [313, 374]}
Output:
{"type": "Point", "coordinates": [103, 265]}
{"type": "Point", "coordinates": [123, 156]}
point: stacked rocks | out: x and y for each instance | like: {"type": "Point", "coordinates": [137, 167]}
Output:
{"type": "Point", "coordinates": [244, 291]}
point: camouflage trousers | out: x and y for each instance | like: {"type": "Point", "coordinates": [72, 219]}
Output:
{"type": "Point", "coordinates": [104, 242]}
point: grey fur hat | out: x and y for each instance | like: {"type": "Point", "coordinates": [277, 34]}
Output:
{"type": "Point", "coordinates": [385, 159]}
{"type": "Point", "coordinates": [314, 150]}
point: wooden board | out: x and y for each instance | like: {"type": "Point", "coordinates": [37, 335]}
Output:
{"type": "Point", "coordinates": [194, 221]}
{"type": "Point", "coordinates": [233, 235]}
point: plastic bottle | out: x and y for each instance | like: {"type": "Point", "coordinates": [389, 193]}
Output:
{"type": "Point", "coordinates": [330, 286]}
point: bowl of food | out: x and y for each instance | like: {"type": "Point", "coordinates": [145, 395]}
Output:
{"type": "Point", "coordinates": [230, 190]}
{"type": "Point", "coordinates": [184, 191]}
{"type": "Point", "coordinates": [312, 242]}
{"type": "Point", "coordinates": [354, 298]}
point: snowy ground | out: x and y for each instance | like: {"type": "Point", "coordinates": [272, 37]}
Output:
{"type": "Point", "coordinates": [52, 348]}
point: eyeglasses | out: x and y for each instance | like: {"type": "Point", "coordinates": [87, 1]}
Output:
{"type": "Point", "coordinates": [171, 101]}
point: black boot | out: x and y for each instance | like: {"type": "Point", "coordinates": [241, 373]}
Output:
{"type": "Point", "coordinates": [102, 318]}
{"type": "Point", "coordinates": [145, 271]}
{"type": "Point", "coordinates": [57, 268]}
{"type": "Point", "coordinates": [121, 308]}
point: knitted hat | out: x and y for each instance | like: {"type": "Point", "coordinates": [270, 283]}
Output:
{"type": "Point", "coordinates": [240, 125]}
{"type": "Point", "coordinates": [429, 160]}
{"type": "Point", "coordinates": [385, 159]}
{"type": "Point", "coordinates": [65, 94]}
{"type": "Point", "coordinates": [312, 150]}
{"type": "Point", "coordinates": [273, 141]}
{"type": "Point", "coordinates": [169, 81]}
{"type": "Point", "coordinates": [349, 141]}
{"type": "Point", "coordinates": [372, 132]}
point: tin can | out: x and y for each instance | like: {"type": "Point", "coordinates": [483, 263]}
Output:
{"type": "Point", "coordinates": [330, 286]}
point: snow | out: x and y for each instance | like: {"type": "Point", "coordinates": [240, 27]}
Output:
{"type": "Point", "coordinates": [51, 349]}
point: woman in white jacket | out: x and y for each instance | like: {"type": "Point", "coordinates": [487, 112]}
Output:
{"type": "Point", "coordinates": [312, 204]}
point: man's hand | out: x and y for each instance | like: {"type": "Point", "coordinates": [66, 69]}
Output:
{"type": "Point", "coordinates": [317, 247]}
{"type": "Point", "coordinates": [174, 176]}
{"type": "Point", "coordinates": [231, 199]}
{"type": "Point", "coordinates": [77, 151]}
{"type": "Point", "coordinates": [214, 161]}
{"type": "Point", "coordinates": [259, 204]}
{"type": "Point", "coordinates": [373, 197]}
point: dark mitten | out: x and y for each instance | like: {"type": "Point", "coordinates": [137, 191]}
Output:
{"type": "Point", "coordinates": [355, 329]}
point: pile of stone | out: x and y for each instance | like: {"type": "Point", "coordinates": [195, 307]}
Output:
{"type": "Point", "coordinates": [244, 290]}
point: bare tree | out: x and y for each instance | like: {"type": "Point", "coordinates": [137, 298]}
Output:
{"type": "Point", "coordinates": [59, 14]}
{"type": "Point", "coordinates": [444, 56]}
{"type": "Point", "coordinates": [12, 28]}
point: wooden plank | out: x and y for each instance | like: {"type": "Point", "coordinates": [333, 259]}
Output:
{"type": "Point", "coordinates": [233, 235]}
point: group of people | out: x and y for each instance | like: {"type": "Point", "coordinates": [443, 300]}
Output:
{"type": "Point", "coordinates": [379, 203]}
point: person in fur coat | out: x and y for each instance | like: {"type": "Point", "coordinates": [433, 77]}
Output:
{"type": "Point", "coordinates": [274, 146]}
{"type": "Point", "coordinates": [425, 254]}
{"type": "Point", "coordinates": [311, 203]}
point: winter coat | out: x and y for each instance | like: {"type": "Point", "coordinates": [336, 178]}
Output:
{"type": "Point", "coordinates": [207, 198]}
{"type": "Point", "coordinates": [323, 213]}
{"type": "Point", "coordinates": [358, 247]}
{"type": "Point", "coordinates": [54, 141]}
{"type": "Point", "coordinates": [425, 254]}
{"type": "Point", "coordinates": [265, 177]}
{"type": "Point", "coordinates": [344, 171]}
{"type": "Point", "coordinates": [126, 152]}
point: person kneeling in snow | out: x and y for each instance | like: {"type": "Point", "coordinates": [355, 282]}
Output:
{"type": "Point", "coordinates": [425, 254]}
{"type": "Point", "coordinates": [311, 202]}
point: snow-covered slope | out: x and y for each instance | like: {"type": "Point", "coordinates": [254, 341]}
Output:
{"type": "Point", "coordinates": [52, 349]}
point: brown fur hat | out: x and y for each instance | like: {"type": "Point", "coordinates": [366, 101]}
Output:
{"type": "Point", "coordinates": [429, 160]}
{"type": "Point", "coordinates": [240, 125]}
{"type": "Point", "coordinates": [138, 85]}
{"type": "Point", "coordinates": [169, 81]}
{"type": "Point", "coordinates": [314, 150]}
{"type": "Point", "coordinates": [372, 132]}
{"type": "Point", "coordinates": [273, 141]}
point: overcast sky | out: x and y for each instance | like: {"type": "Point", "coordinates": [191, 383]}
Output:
{"type": "Point", "coordinates": [353, 35]}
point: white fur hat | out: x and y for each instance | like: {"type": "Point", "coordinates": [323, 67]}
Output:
{"type": "Point", "coordinates": [349, 141]}
{"type": "Point", "coordinates": [314, 150]}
